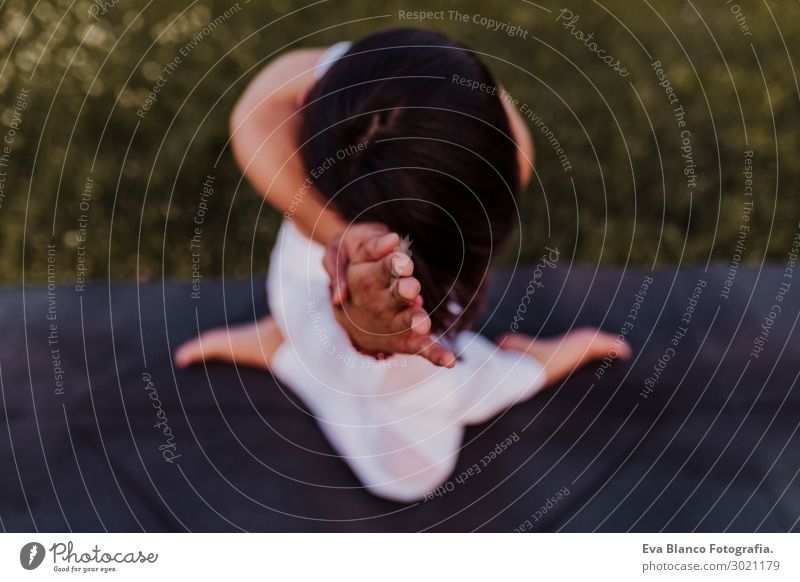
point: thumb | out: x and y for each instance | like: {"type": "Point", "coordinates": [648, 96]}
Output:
{"type": "Point", "coordinates": [335, 264]}
{"type": "Point", "coordinates": [376, 247]}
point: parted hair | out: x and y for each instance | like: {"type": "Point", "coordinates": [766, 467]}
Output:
{"type": "Point", "coordinates": [390, 135]}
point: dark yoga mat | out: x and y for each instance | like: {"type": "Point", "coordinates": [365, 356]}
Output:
{"type": "Point", "coordinates": [705, 440]}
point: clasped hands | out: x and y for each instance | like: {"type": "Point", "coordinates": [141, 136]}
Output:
{"type": "Point", "coordinates": [375, 296]}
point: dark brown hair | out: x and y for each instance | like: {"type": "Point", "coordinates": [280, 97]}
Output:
{"type": "Point", "coordinates": [391, 135]}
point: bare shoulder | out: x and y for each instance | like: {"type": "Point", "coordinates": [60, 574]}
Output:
{"type": "Point", "coordinates": [280, 81]}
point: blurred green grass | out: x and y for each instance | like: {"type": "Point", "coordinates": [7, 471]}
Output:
{"type": "Point", "coordinates": [625, 201]}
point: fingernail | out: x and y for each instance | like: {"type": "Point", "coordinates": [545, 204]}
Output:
{"type": "Point", "coordinates": [407, 288]}
{"type": "Point", "coordinates": [400, 264]}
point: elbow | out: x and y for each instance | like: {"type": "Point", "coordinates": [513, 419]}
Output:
{"type": "Point", "coordinates": [238, 115]}
{"type": "Point", "coordinates": [252, 107]}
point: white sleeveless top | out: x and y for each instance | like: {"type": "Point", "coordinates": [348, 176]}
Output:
{"type": "Point", "coordinates": [398, 423]}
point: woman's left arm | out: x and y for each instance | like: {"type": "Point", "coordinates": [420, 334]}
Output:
{"type": "Point", "coordinates": [526, 156]}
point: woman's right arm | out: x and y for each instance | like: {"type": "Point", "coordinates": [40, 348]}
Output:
{"type": "Point", "coordinates": [264, 126]}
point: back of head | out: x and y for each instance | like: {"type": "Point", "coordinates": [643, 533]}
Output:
{"type": "Point", "coordinates": [390, 135]}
